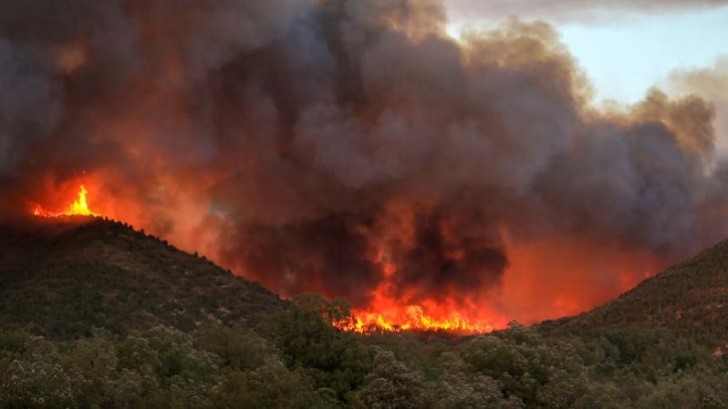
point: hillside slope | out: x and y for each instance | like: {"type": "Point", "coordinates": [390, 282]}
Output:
{"type": "Point", "coordinates": [688, 299]}
{"type": "Point", "coordinates": [61, 278]}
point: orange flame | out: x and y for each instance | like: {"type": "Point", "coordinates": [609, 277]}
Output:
{"type": "Point", "coordinates": [412, 318]}
{"type": "Point", "coordinates": [78, 208]}
{"type": "Point", "coordinates": [386, 313]}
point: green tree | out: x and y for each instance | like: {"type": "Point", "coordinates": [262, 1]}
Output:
{"type": "Point", "coordinates": [391, 385]}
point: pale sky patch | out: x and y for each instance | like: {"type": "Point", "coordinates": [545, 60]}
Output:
{"type": "Point", "coordinates": [625, 49]}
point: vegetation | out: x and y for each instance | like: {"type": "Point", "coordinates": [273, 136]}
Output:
{"type": "Point", "coordinates": [104, 274]}
{"type": "Point", "coordinates": [219, 366]}
{"type": "Point", "coordinates": [689, 299]}
{"type": "Point", "coordinates": [100, 333]}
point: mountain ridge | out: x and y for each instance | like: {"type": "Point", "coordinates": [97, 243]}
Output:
{"type": "Point", "coordinates": [689, 299]}
{"type": "Point", "coordinates": [96, 314]}
{"type": "Point", "coordinates": [106, 274]}
{"type": "Point", "coordinates": [114, 276]}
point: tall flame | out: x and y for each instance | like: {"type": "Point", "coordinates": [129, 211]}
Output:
{"type": "Point", "coordinates": [78, 208]}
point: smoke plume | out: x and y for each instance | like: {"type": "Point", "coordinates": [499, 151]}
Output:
{"type": "Point", "coordinates": [570, 10]}
{"type": "Point", "coordinates": [351, 148]}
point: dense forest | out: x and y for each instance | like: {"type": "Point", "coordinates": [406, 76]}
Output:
{"type": "Point", "coordinates": [127, 321]}
{"type": "Point", "coordinates": [300, 361]}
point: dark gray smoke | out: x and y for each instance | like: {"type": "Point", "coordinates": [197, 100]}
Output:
{"type": "Point", "coordinates": [333, 145]}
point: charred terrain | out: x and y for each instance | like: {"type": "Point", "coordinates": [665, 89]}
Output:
{"type": "Point", "coordinates": [96, 314]}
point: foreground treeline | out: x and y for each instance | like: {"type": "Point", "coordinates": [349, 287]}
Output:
{"type": "Point", "coordinates": [299, 361]}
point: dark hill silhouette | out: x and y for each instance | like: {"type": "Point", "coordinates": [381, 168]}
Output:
{"type": "Point", "coordinates": [63, 277]}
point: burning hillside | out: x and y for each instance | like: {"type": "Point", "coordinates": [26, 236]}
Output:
{"type": "Point", "coordinates": [352, 148]}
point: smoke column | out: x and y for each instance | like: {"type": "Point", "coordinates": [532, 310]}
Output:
{"type": "Point", "coordinates": [351, 148]}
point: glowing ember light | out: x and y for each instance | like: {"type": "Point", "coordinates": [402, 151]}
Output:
{"type": "Point", "coordinates": [78, 208]}
{"type": "Point", "coordinates": [412, 318]}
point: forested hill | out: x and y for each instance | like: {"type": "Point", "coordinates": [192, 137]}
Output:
{"type": "Point", "coordinates": [96, 315]}
{"type": "Point", "coordinates": [689, 299]}
{"type": "Point", "coordinates": [62, 278]}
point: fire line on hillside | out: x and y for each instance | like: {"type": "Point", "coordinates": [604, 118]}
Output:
{"type": "Point", "coordinates": [414, 318]}
{"type": "Point", "coordinates": [408, 318]}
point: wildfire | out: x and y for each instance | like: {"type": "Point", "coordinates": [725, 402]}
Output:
{"type": "Point", "coordinates": [78, 208]}
{"type": "Point", "coordinates": [390, 314]}
{"type": "Point", "coordinates": [412, 318]}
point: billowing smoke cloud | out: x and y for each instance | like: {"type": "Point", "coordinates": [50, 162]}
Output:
{"type": "Point", "coordinates": [350, 147]}
{"type": "Point", "coordinates": [570, 10]}
{"type": "Point", "coordinates": [710, 84]}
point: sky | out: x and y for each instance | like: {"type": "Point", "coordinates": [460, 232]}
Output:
{"type": "Point", "coordinates": [624, 51]}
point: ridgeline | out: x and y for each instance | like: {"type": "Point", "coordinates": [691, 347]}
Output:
{"type": "Point", "coordinates": [63, 277]}
{"type": "Point", "coordinates": [95, 314]}
{"type": "Point", "coordinates": [689, 299]}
